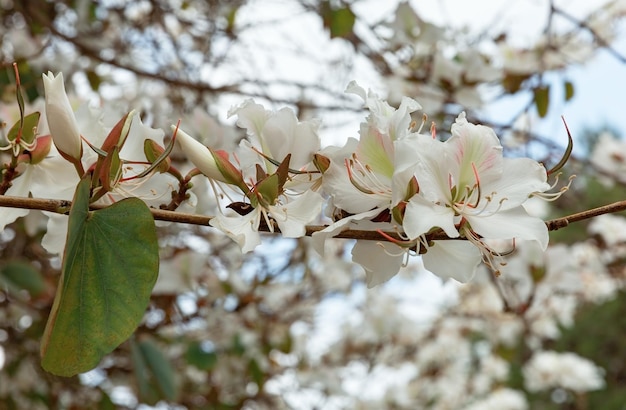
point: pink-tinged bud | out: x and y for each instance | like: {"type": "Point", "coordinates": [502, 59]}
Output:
{"type": "Point", "coordinates": [39, 152]}
{"type": "Point", "coordinates": [213, 164]}
{"type": "Point", "coordinates": [60, 116]}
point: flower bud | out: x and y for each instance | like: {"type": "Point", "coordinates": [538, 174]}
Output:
{"type": "Point", "coordinates": [213, 164]}
{"type": "Point", "coordinates": [60, 116]}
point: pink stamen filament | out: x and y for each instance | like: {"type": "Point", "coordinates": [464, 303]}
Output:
{"type": "Point", "coordinates": [400, 242]}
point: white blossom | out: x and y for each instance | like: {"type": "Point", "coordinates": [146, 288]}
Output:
{"type": "Point", "coordinates": [549, 369]}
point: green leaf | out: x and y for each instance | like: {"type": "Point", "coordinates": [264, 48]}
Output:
{"type": "Point", "coordinates": [105, 402]}
{"type": "Point", "coordinates": [342, 23]}
{"type": "Point", "coordinates": [231, 18]}
{"type": "Point", "coordinates": [542, 100]}
{"type": "Point", "coordinates": [513, 82]}
{"type": "Point", "coordinates": [155, 375]}
{"type": "Point", "coordinates": [237, 347]}
{"type": "Point", "coordinates": [110, 265]}
{"type": "Point", "coordinates": [569, 90]}
{"type": "Point", "coordinates": [339, 21]}
{"type": "Point", "coordinates": [94, 79]}
{"type": "Point", "coordinates": [18, 275]}
{"type": "Point", "coordinates": [199, 357]}
{"type": "Point", "coordinates": [256, 373]}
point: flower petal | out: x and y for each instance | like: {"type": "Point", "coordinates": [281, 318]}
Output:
{"type": "Point", "coordinates": [452, 259]}
{"type": "Point", "coordinates": [475, 146]}
{"type": "Point", "coordinates": [509, 224]}
{"type": "Point", "coordinates": [293, 217]}
{"type": "Point", "coordinates": [319, 238]}
{"type": "Point", "coordinates": [381, 261]}
{"type": "Point", "coordinates": [56, 233]}
{"type": "Point", "coordinates": [21, 188]}
{"type": "Point", "coordinates": [243, 229]}
{"type": "Point", "coordinates": [520, 178]}
{"type": "Point", "coordinates": [421, 216]}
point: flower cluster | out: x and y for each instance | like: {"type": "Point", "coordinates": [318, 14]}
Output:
{"type": "Point", "coordinates": [121, 159]}
{"type": "Point", "coordinates": [445, 200]}
{"type": "Point", "coordinates": [411, 192]}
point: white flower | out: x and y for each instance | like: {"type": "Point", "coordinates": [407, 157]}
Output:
{"type": "Point", "coordinates": [371, 172]}
{"type": "Point", "coordinates": [550, 369]}
{"type": "Point", "coordinates": [277, 134]}
{"type": "Point", "coordinates": [611, 228]}
{"type": "Point", "coordinates": [609, 156]}
{"type": "Point", "coordinates": [469, 190]}
{"type": "Point", "coordinates": [291, 218]}
{"type": "Point", "coordinates": [501, 399]}
{"type": "Point", "coordinates": [60, 116]}
{"type": "Point", "coordinates": [369, 177]}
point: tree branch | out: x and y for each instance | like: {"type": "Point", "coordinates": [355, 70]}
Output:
{"type": "Point", "coordinates": [61, 206]}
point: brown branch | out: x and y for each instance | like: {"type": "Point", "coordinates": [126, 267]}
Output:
{"type": "Point", "coordinates": [555, 224]}
{"type": "Point", "coordinates": [61, 206]}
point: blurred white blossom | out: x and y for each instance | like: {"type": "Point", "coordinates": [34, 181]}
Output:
{"type": "Point", "coordinates": [549, 369]}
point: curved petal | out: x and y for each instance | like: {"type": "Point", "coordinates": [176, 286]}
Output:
{"type": "Point", "coordinates": [381, 261]}
{"type": "Point", "coordinates": [283, 134]}
{"type": "Point", "coordinates": [243, 229]}
{"type": "Point", "coordinates": [54, 178]}
{"type": "Point", "coordinates": [509, 224]}
{"type": "Point", "coordinates": [475, 146]}
{"type": "Point", "coordinates": [251, 116]}
{"type": "Point", "coordinates": [520, 178]}
{"type": "Point", "coordinates": [133, 149]}
{"type": "Point", "coordinates": [293, 217]}
{"type": "Point", "coordinates": [21, 188]}
{"type": "Point", "coordinates": [56, 233]}
{"type": "Point", "coordinates": [279, 133]}
{"type": "Point", "coordinates": [319, 238]}
{"type": "Point", "coordinates": [434, 169]}
{"type": "Point", "coordinates": [452, 259]}
{"type": "Point", "coordinates": [407, 154]}
{"type": "Point", "coordinates": [421, 216]}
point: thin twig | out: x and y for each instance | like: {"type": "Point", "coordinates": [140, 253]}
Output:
{"type": "Point", "coordinates": [61, 206]}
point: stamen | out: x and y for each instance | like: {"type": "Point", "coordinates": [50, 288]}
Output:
{"type": "Point", "coordinates": [365, 179]}
{"type": "Point", "coordinates": [424, 119]}
{"type": "Point", "coordinates": [270, 225]}
{"type": "Point", "coordinates": [403, 243]}
{"type": "Point", "coordinates": [492, 259]}
{"type": "Point", "coordinates": [553, 196]}
{"type": "Point", "coordinates": [477, 179]}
